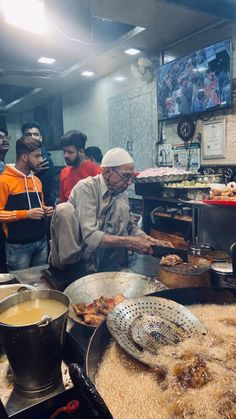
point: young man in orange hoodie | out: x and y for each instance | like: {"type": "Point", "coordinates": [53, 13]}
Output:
{"type": "Point", "coordinates": [4, 147]}
{"type": "Point", "coordinates": [22, 209]}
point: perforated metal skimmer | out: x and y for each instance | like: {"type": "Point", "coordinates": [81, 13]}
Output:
{"type": "Point", "coordinates": [142, 325]}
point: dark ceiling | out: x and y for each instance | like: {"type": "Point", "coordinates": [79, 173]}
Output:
{"type": "Point", "coordinates": [91, 34]}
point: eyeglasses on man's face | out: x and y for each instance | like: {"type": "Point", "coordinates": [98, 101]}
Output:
{"type": "Point", "coordinates": [4, 137]}
{"type": "Point", "coordinates": [126, 177]}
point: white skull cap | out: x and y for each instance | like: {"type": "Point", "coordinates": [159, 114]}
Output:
{"type": "Point", "coordinates": [116, 157]}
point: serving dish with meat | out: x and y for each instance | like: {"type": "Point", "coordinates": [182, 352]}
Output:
{"type": "Point", "coordinates": [94, 313]}
{"type": "Point", "coordinates": [105, 287]}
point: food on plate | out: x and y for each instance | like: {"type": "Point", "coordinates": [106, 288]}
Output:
{"type": "Point", "coordinates": [187, 184]}
{"type": "Point", "coordinates": [232, 186]}
{"type": "Point", "coordinates": [170, 260]}
{"type": "Point", "coordinates": [94, 313]}
{"type": "Point", "coordinates": [193, 379]}
{"type": "Point", "coordinates": [226, 193]}
{"type": "Point", "coordinates": [162, 171]}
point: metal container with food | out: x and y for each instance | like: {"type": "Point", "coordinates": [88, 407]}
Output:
{"type": "Point", "coordinates": [93, 295]}
{"type": "Point", "coordinates": [222, 275]}
{"type": "Point", "coordinates": [6, 290]}
{"type": "Point", "coordinates": [189, 274]}
{"type": "Point", "coordinates": [32, 330]}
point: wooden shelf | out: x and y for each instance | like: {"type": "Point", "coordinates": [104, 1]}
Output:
{"type": "Point", "coordinates": [179, 217]}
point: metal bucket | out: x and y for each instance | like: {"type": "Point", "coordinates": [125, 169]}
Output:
{"type": "Point", "coordinates": [34, 351]}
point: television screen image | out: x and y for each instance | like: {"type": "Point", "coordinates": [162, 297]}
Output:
{"type": "Point", "coordinates": [196, 83]}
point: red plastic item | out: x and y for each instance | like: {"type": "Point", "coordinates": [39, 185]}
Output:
{"type": "Point", "coordinates": [72, 406]}
{"type": "Point", "coordinates": [219, 202]}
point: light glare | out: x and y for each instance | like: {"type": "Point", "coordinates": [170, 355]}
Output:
{"type": "Point", "coordinates": [132, 51]}
{"type": "Point", "coordinates": [119, 78]}
{"type": "Point", "coordinates": [25, 14]}
{"type": "Point", "coordinates": [87, 73]}
{"type": "Point", "coordinates": [46, 60]}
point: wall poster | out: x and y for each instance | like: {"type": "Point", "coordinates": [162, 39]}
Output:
{"type": "Point", "coordinates": [214, 140]}
{"type": "Point", "coordinates": [187, 158]}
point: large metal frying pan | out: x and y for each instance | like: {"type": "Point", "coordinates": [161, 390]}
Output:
{"type": "Point", "coordinates": [185, 296]}
{"type": "Point", "coordinates": [109, 284]}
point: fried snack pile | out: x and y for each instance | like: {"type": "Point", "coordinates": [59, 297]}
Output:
{"type": "Point", "coordinates": [227, 193]}
{"type": "Point", "coordinates": [93, 314]}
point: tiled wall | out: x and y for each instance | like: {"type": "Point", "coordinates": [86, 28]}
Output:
{"type": "Point", "coordinates": [87, 107]}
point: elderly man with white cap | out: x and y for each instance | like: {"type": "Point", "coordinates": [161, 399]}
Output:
{"type": "Point", "coordinates": [94, 230]}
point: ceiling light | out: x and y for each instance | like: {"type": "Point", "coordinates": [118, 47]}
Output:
{"type": "Point", "coordinates": [25, 14]}
{"type": "Point", "coordinates": [87, 73]}
{"type": "Point", "coordinates": [120, 78]}
{"type": "Point", "coordinates": [132, 51]}
{"type": "Point", "coordinates": [46, 60]}
{"type": "Point", "coordinates": [169, 58]}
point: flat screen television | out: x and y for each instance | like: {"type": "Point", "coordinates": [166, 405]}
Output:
{"type": "Point", "coordinates": [199, 82]}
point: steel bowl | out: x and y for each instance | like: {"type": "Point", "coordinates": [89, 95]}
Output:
{"type": "Point", "coordinates": [107, 284]}
{"type": "Point", "coordinates": [6, 278]}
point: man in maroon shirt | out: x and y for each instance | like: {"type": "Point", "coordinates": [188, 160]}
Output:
{"type": "Point", "coordinates": [73, 145]}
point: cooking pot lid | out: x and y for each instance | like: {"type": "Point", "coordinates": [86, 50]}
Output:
{"type": "Point", "coordinates": [222, 267]}
{"type": "Point", "coordinates": [142, 325]}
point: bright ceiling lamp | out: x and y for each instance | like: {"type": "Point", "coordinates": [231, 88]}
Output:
{"type": "Point", "coordinates": [25, 14]}
{"type": "Point", "coordinates": [46, 60]}
{"type": "Point", "coordinates": [132, 51]}
{"type": "Point", "coordinates": [87, 73]}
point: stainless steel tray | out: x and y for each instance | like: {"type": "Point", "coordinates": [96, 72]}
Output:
{"type": "Point", "coordinates": [108, 284]}
{"type": "Point", "coordinates": [163, 179]}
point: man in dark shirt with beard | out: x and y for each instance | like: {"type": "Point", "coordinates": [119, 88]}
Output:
{"type": "Point", "coordinates": [45, 171]}
{"type": "Point", "coordinates": [73, 145]}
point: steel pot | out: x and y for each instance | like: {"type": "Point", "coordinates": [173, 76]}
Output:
{"type": "Point", "coordinates": [199, 249]}
{"type": "Point", "coordinates": [34, 351]}
{"type": "Point", "coordinates": [222, 275]}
